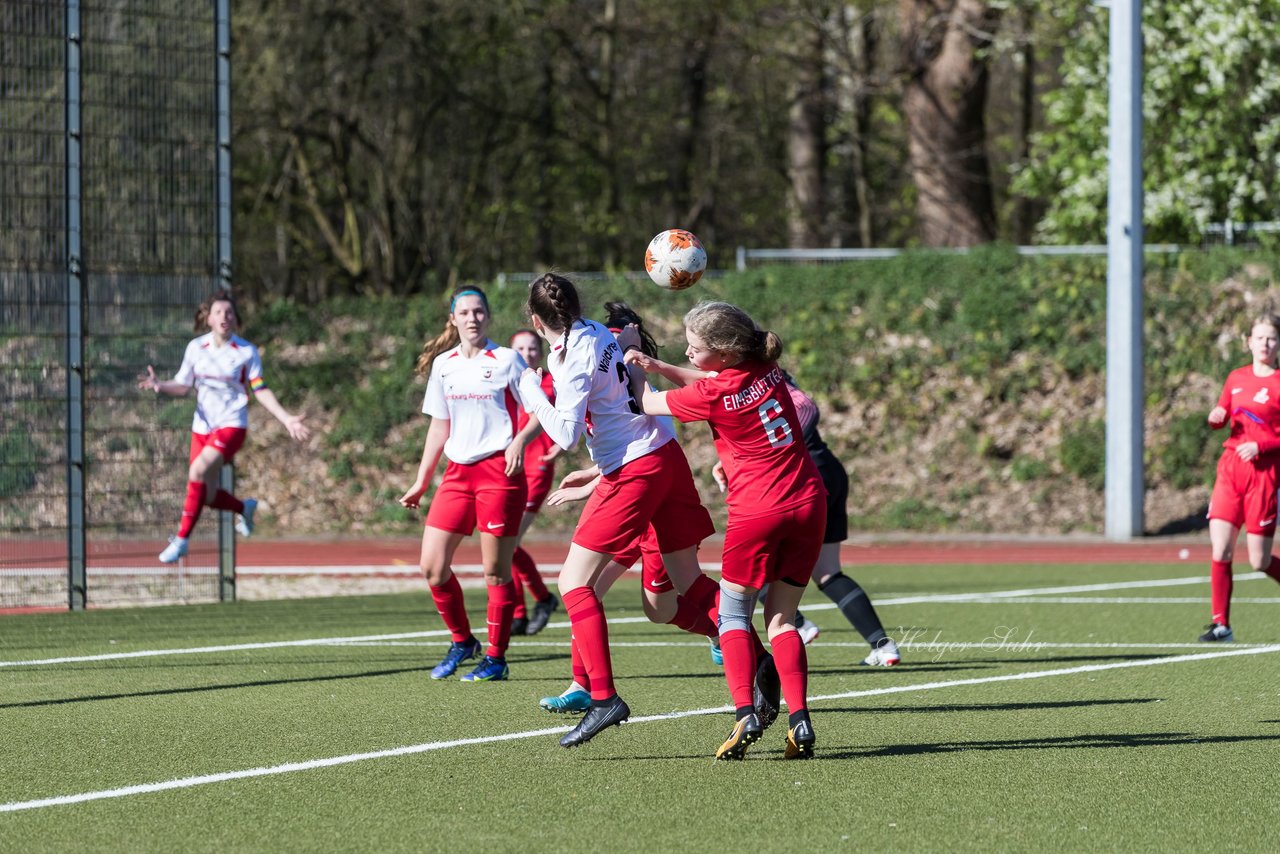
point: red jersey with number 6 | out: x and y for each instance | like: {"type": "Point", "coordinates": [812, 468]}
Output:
{"type": "Point", "coordinates": [757, 434]}
{"type": "Point", "coordinates": [1253, 409]}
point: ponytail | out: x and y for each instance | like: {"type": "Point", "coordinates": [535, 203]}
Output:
{"type": "Point", "coordinates": [554, 300]}
{"type": "Point", "coordinates": [728, 329]}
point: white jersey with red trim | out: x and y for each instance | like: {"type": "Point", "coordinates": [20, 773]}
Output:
{"type": "Point", "coordinates": [222, 377]}
{"type": "Point", "coordinates": [593, 396]}
{"type": "Point", "coordinates": [479, 397]}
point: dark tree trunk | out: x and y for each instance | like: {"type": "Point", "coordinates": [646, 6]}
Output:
{"type": "Point", "coordinates": [944, 100]}
{"type": "Point", "coordinates": [807, 143]}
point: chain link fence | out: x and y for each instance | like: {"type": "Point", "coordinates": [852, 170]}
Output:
{"type": "Point", "coordinates": [111, 119]}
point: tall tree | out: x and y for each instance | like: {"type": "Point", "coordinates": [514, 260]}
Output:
{"type": "Point", "coordinates": [1211, 101]}
{"type": "Point", "coordinates": [944, 49]}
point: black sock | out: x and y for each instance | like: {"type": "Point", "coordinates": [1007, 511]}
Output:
{"type": "Point", "coordinates": [743, 711]}
{"type": "Point", "coordinates": [853, 603]}
{"type": "Point", "coordinates": [796, 717]}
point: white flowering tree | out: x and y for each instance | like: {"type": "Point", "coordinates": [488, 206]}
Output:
{"type": "Point", "coordinates": [1211, 101]}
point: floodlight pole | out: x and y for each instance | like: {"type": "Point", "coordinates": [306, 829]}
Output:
{"type": "Point", "coordinates": [1124, 470]}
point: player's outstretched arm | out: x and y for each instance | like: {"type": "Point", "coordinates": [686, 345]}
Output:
{"type": "Point", "coordinates": [293, 423]}
{"type": "Point", "coordinates": [149, 382]}
{"type": "Point", "coordinates": [677, 376]}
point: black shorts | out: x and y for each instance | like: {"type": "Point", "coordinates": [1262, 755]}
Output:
{"type": "Point", "coordinates": [836, 480]}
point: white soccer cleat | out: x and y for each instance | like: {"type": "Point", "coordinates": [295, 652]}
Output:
{"type": "Point", "coordinates": [177, 548]}
{"type": "Point", "coordinates": [883, 654]}
{"type": "Point", "coordinates": [808, 630]}
{"type": "Point", "coordinates": [244, 521]}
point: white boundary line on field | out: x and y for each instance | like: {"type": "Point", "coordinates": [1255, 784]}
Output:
{"type": "Point", "coordinates": [978, 598]}
{"type": "Point", "coordinates": [993, 644]}
{"type": "Point", "coordinates": [329, 762]}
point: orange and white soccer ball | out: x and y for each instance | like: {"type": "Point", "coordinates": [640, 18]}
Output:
{"type": "Point", "coordinates": [675, 259]}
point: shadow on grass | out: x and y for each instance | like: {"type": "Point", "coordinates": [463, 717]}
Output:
{"type": "Point", "coordinates": [260, 683]}
{"type": "Point", "coordinates": [1071, 742]}
{"type": "Point", "coordinates": [987, 707]}
{"type": "Point", "coordinates": [769, 753]}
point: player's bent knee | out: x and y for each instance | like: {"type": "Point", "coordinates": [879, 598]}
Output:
{"type": "Point", "coordinates": [736, 610]}
{"type": "Point", "coordinates": [659, 607]}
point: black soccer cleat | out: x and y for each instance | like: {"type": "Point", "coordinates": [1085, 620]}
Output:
{"type": "Point", "coordinates": [746, 732]}
{"type": "Point", "coordinates": [542, 611]}
{"type": "Point", "coordinates": [800, 741]}
{"type": "Point", "coordinates": [766, 694]}
{"type": "Point", "coordinates": [519, 626]}
{"type": "Point", "coordinates": [608, 713]}
{"type": "Point", "coordinates": [1217, 633]}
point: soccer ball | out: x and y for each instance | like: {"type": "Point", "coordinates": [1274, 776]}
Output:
{"type": "Point", "coordinates": [675, 259]}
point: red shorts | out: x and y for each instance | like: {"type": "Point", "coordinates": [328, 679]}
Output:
{"type": "Point", "coordinates": [224, 440]}
{"type": "Point", "coordinates": [1244, 494]}
{"type": "Point", "coordinates": [653, 570]}
{"type": "Point", "coordinates": [782, 546]}
{"type": "Point", "coordinates": [479, 494]}
{"type": "Point", "coordinates": [656, 489]}
{"type": "Point", "coordinates": [539, 477]}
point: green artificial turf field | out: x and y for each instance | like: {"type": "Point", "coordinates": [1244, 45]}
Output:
{"type": "Point", "coordinates": [1056, 707]}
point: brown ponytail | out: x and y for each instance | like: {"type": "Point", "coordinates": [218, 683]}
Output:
{"type": "Point", "coordinates": [728, 329]}
{"type": "Point", "coordinates": [554, 300]}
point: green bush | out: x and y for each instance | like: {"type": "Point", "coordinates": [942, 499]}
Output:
{"type": "Point", "coordinates": [19, 463]}
{"type": "Point", "coordinates": [1084, 453]}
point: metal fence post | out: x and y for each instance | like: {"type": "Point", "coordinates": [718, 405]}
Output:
{"type": "Point", "coordinates": [222, 37]}
{"type": "Point", "coordinates": [77, 574]}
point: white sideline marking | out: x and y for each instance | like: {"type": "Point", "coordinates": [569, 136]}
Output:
{"type": "Point", "coordinates": [980, 598]}
{"type": "Point", "coordinates": [290, 767]}
{"type": "Point", "coordinates": [992, 644]}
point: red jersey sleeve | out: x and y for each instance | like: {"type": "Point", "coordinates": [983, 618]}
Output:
{"type": "Point", "coordinates": [693, 402]}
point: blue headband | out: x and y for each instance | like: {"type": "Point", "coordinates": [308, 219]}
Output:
{"type": "Point", "coordinates": [465, 293]}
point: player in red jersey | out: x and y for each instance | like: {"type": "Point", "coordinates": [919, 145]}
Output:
{"type": "Point", "coordinates": [1244, 491]}
{"type": "Point", "coordinates": [223, 368]}
{"type": "Point", "coordinates": [540, 472]}
{"type": "Point", "coordinates": [472, 398]}
{"type": "Point", "coordinates": [777, 503]}
{"type": "Point", "coordinates": [845, 592]}
{"type": "Point", "coordinates": [645, 481]}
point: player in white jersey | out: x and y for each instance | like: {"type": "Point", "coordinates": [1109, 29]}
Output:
{"type": "Point", "coordinates": [645, 479]}
{"type": "Point", "coordinates": [223, 368]}
{"type": "Point", "coordinates": [472, 399]}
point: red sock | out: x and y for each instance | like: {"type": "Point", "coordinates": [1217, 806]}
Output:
{"type": "Point", "coordinates": [703, 594]}
{"type": "Point", "coordinates": [580, 674]}
{"type": "Point", "coordinates": [191, 507]}
{"type": "Point", "coordinates": [520, 610]}
{"type": "Point", "coordinates": [453, 608]}
{"type": "Point", "coordinates": [692, 617]}
{"type": "Point", "coordinates": [502, 602]}
{"type": "Point", "coordinates": [1273, 569]}
{"type": "Point", "coordinates": [523, 565]}
{"type": "Point", "coordinates": [793, 669]}
{"type": "Point", "coordinates": [223, 500]}
{"type": "Point", "coordinates": [1220, 591]}
{"type": "Point", "coordinates": [591, 633]}
{"type": "Point", "coordinates": [739, 665]}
